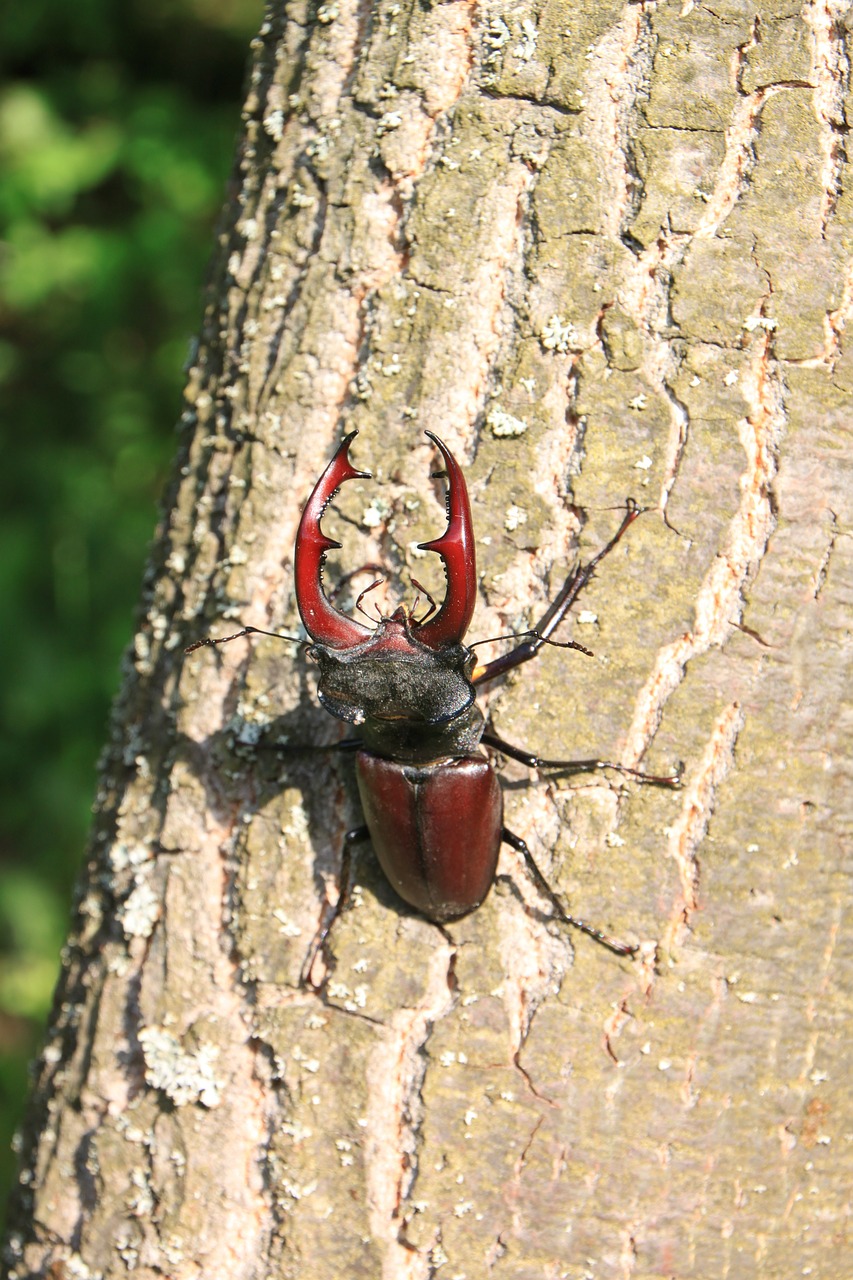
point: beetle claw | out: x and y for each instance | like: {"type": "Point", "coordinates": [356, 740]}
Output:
{"type": "Point", "coordinates": [322, 621]}
{"type": "Point", "coordinates": [456, 548]}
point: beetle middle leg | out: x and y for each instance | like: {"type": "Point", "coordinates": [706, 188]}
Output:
{"type": "Point", "coordinates": [606, 939]}
{"type": "Point", "coordinates": [576, 766]}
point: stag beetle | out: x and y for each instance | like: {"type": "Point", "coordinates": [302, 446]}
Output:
{"type": "Point", "coordinates": [432, 800]}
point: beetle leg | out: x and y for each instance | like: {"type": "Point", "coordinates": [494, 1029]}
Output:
{"type": "Point", "coordinates": [557, 610]}
{"type": "Point", "coordinates": [352, 837]}
{"type": "Point", "coordinates": [606, 940]}
{"type": "Point", "coordinates": [575, 766]}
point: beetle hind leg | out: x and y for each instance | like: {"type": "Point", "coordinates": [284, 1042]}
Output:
{"type": "Point", "coordinates": [605, 939]}
{"type": "Point", "coordinates": [352, 837]}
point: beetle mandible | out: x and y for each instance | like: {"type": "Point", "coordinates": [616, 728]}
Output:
{"type": "Point", "coordinates": [432, 800]}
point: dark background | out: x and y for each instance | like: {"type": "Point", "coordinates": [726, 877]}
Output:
{"type": "Point", "coordinates": [118, 120]}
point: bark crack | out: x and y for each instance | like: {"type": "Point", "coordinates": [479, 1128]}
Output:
{"type": "Point", "coordinates": [836, 322]}
{"type": "Point", "coordinates": [619, 78]}
{"type": "Point", "coordinates": [395, 1077]}
{"type": "Point", "coordinates": [822, 570]}
{"type": "Point", "coordinates": [720, 600]}
{"type": "Point", "coordinates": [831, 71]}
{"type": "Point", "coordinates": [697, 806]}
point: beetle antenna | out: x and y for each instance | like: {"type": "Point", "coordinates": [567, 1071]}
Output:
{"type": "Point", "coordinates": [537, 635]}
{"type": "Point", "coordinates": [346, 578]}
{"type": "Point", "coordinates": [432, 605]}
{"type": "Point", "coordinates": [247, 631]}
{"type": "Point", "coordinates": [373, 585]}
{"type": "Point", "coordinates": [560, 644]}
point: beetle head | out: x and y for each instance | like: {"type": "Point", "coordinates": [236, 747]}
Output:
{"type": "Point", "coordinates": [331, 629]}
{"type": "Point", "coordinates": [393, 677]}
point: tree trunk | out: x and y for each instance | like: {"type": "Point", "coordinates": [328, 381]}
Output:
{"type": "Point", "coordinates": [601, 249]}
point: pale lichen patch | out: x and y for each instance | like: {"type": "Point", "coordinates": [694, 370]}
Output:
{"type": "Point", "coordinates": [185, 1076]}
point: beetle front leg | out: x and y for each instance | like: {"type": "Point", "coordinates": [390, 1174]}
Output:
{"type": "Point", "coordinates": [352, 837]}
{"type": "Point", "coordinates": [557, 610]}
{"type": "Point", "coordinates": [606, 940]}
{"type": "Point", "coordinates": [576, 766]}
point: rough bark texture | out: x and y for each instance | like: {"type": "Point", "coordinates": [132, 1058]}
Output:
{"type": "Point", "coordinates": [602, 249]}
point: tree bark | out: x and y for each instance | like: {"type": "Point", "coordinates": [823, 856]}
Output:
{"type": "Point", "coordinates": [601, 249]}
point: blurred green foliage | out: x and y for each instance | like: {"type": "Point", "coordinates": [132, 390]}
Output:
{"type": "Point", "coordinates": [117, 131]}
